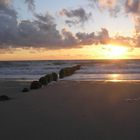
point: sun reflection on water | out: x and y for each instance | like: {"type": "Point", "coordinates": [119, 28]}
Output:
{"type": "Point", "coordinates": [114, 77]}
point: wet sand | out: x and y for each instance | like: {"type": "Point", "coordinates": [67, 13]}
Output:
{"type": "Point", "coordinates": [69, 110]}
{"type": "Point", "coordinates": [12, 88]}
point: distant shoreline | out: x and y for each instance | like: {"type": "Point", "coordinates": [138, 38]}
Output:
{"type": "Point", "coordinates": [72, 60]}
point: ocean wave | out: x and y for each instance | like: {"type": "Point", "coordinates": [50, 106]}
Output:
{"type": "Point", "coordinates": [34, 69]}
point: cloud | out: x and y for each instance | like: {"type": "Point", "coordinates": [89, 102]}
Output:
{"type": "Point", "coordinates": [107, 3]}
{"type": "Point", "coordinates": [42, 32]}
{"type": "Point", "coordinates": [68, 38]}
{"type": "Point", "coordinates": [123, 41]}
{"type": "Point", "coordinates": [86, 38]}
{"type": "Point", "coordinates": [127, 7]}
{"type": "Point", "coordinates": [47, 18]}
{"type": "Point", "coordinates": [132, 8]}
{"type": "Point", "coordinates": [5, 3]}
{"type": "Point", "coordinates": [31, 4]}
{"type": "Point", "coordinates": [8, 22]}
{"type": "Point", "coordinates": [101, 37]}
{"type": "Point", "coordinates": [112, 6]}
{"type": "Point", "coordinates": [76, 16]}
{"type": "Point", "coordinates": [137, 41]}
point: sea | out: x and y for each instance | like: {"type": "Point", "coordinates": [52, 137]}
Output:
{"type": "Point", "coordinates": [91, 70]}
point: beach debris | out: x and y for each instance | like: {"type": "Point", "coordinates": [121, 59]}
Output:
{"type": "Point", "coordinates": [54, 76]}
{"type": "Point", "coordinates": [25, 90]}
{"type": "Point", "coordinates": [35, 85]}
{"type": "Point", "coordinates": [4, 98]}
{"type": "Point", "coordinates": [43, 81]}
{"type": "Point", "coordinates": [68, 71]}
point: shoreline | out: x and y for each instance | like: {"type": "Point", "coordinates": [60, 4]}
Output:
{"type": "Point", "coordinates": [12, 87]}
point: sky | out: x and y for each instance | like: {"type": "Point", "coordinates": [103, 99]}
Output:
{"type": "Point", "coordinates": [75, 29]}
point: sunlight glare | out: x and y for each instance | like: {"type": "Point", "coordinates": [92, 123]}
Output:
{"type": "Point", "coordinates": [115, 52]}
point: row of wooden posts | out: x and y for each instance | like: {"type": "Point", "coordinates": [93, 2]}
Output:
{"type": "Point", "coordinates": [45, 80]}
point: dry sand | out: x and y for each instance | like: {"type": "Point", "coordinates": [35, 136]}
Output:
{"type": "Point", "coordinates": [69, 110]}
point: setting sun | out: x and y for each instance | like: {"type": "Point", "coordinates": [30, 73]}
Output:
{"type": "Point", "coordinates": [115, 52]}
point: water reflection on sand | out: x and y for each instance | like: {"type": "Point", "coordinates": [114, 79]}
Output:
{"type": "Point", "coordinates": [105, 77]}
{"type": "Point", "coordinates": [123, 77]}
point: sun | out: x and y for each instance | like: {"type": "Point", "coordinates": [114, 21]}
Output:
{"type": "Point", "coordinates": [115, 52]}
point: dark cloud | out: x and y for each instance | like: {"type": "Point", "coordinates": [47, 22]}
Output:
{"type": "Point", "coordinates": [5, 3]}
{"type": "Point", "coordinates": [76, 16]}
{"type": "Point", "coordinates": [47, 18]}
{"type": "Point", "coordinates": [8, 22]}
{"type": "Point", "coordinates": [68, 38]}
{"type": "Point", "coordinates": [132, 6]}
{"type": "Point", "coordinates": [101, 37]}
{"type": "Point", "coordinates": [86, 38]}
{"type": "Point", "coordinates": [5, 8]}
{"type": "Point", "coordinates": [42, 32]}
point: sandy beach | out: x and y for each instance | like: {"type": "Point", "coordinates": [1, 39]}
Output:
{"type": "Point", "coordinates": [70, 110]}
